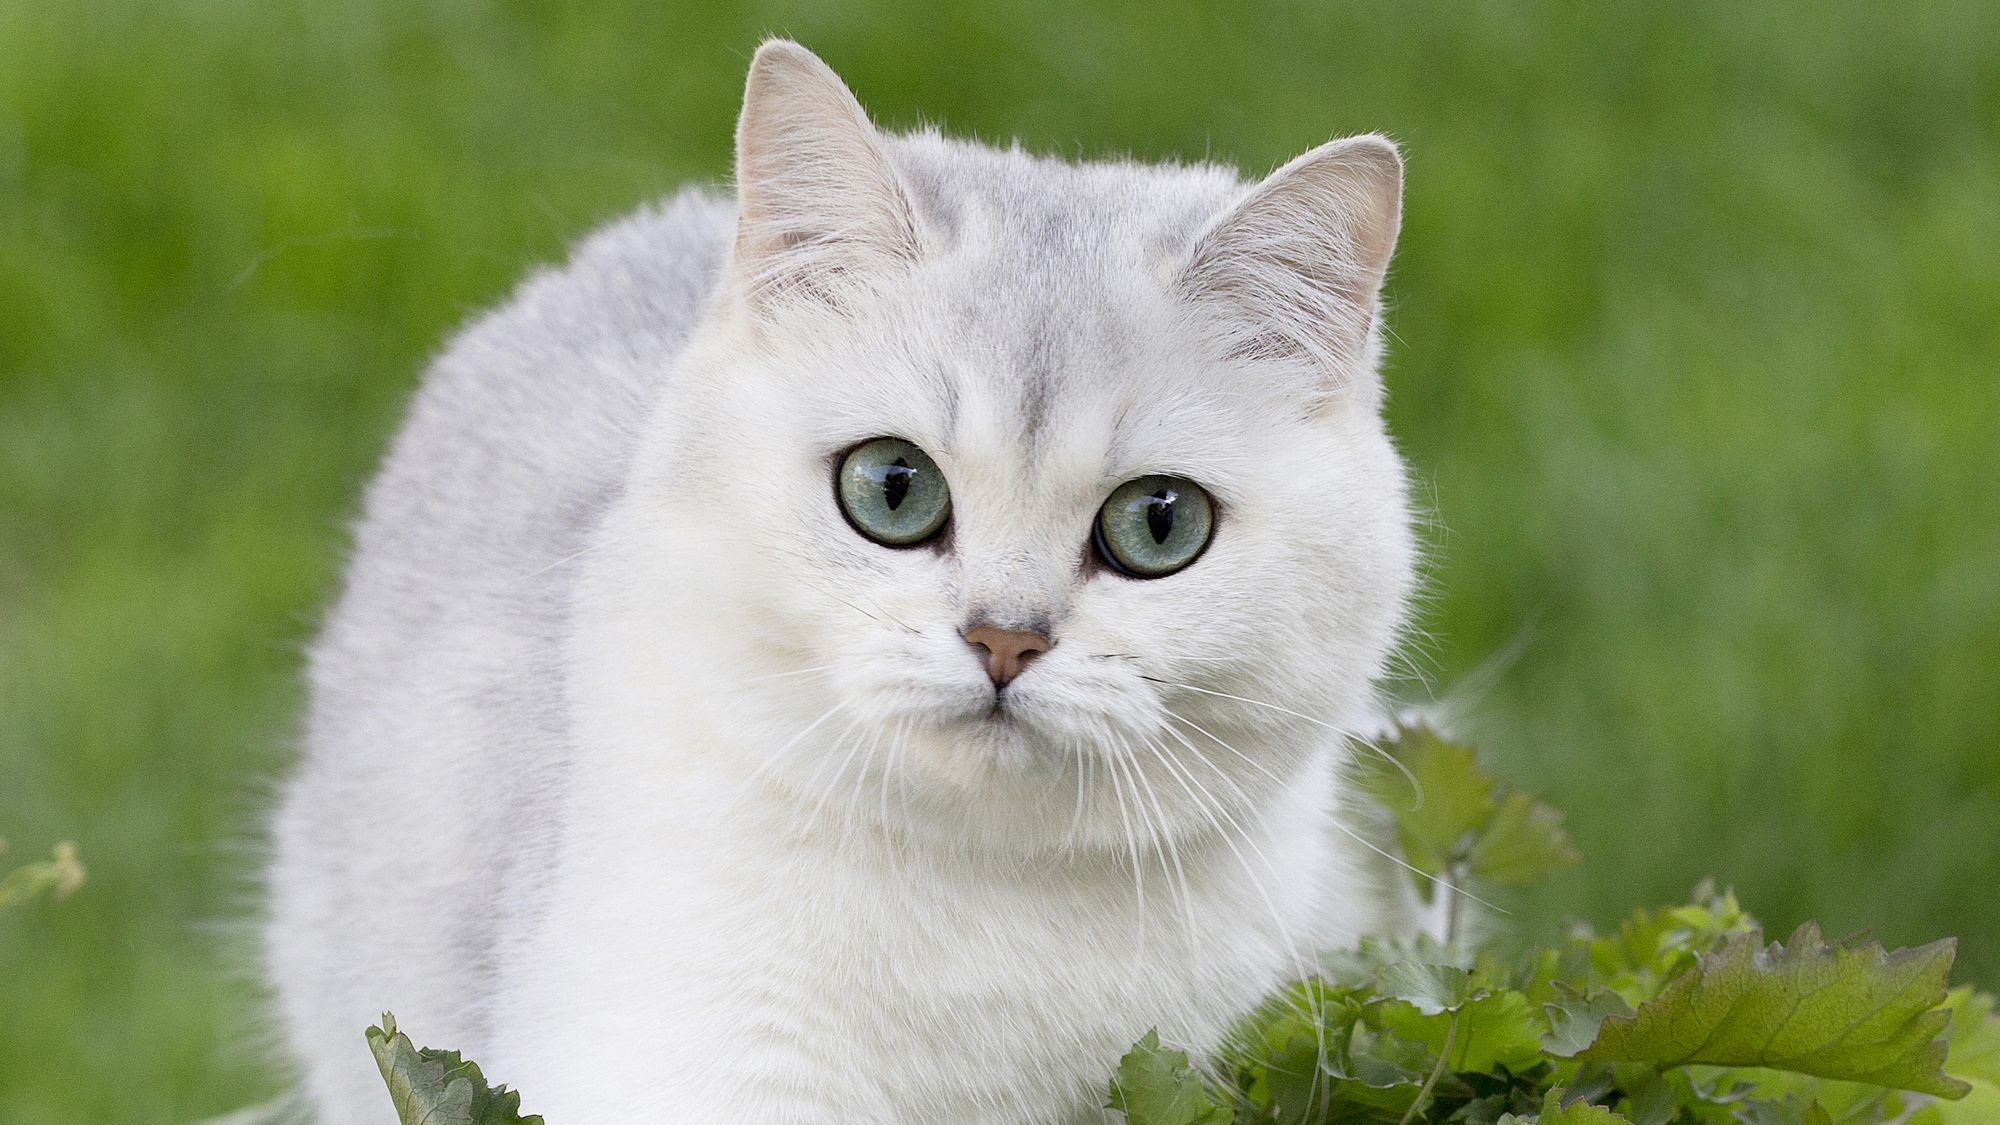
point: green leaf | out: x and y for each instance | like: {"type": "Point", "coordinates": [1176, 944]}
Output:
{"type": "Point", "coordinates": [1975, 1037]}
{"type": "Point", "coordinates": [1575, 1113]}
{"type": "Point", "coordinates": [1653, 948]}
{"type": "Point", "coordinates": [1575, 1017]}
{"type": "Point", "coordinates": [1787, 1111]}
{"type": "Point", "coordinates": [1981, 1107]}
{"type": "Point", "coordinates": [1428, 988]}
{"type": "Point", "coordinates": [1452, 798]}
{"type": "Point", "coordinates": [1523, 842]}
{"type": "Point", "coordinates": [1494, 1029]}
{"type": "Point", "coordinates": [1651, 1099]}
{"type": "Point", "coordinates": [1305, 1056]}
{"type": "Point", "coordinates": [1582, 1113]}
{"type": "Point", "coordinates": [431, 1087]}
{"type": "Point", "coordinates": [1848, 1012]}
{"type": "Point", "coordinates": [1360, 966]}
{"type": "Point", "coordinates": [1975, 1058]}
{"type": "Point", "coordinates": [1452, 817]}
{"type": "Point", "coordinates": [1158, 1086]}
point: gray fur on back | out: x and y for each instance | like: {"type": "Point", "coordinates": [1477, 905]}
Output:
{"type": "Point", "coordinates": [416, 821]}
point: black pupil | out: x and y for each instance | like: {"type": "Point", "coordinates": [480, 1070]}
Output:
{"type": "Point", "coordinates": [896, 482]}
{"type": "Point", "coordinates": [1160, 514]}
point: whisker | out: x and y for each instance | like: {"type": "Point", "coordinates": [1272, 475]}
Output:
{"type": "Point", "coordinates": [1357, 837]}
{"type": "Point", "coordinates": [787, 675]}
{"type": "Point", "coordinates": [1163, 838]}
{"type": "Point", "coordinates": [1313, 1011]}
{"type": "Point", "coordinates": [1417, 787]}
{"type": "Point", "coordinates": [598, 544]}
{"type": "Point", "coordinates": [826, 794]}
{"type": "Point", "coordinates": [1247, 759]}
{"type": "Point", "coordinates": [1075, 749]}
{"type": "Point", "coordinates": [779, 753]}
{"type": "Point", "coordinates": [1132, 849]}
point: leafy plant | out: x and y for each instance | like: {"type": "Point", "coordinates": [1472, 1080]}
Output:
{"type": "Point", "coordinates": [1685, 1016]}
{"type": "Point", "coordinates": [432, 1087]}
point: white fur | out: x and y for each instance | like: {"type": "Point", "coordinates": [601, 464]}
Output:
{"type": "Point", "coordinates": [638, 775]}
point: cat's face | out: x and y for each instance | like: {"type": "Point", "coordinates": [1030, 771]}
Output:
{"type": "Point", "coordinates": [1044, 338]}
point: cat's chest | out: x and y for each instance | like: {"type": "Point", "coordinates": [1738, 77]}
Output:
{"type": "Point", "coordinates": [897, 987]}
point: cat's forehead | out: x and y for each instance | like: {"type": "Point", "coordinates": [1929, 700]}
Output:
{"type": "Point", "coordinates": [1041, 333]}
{"type": "Point", "coordinates": [1068, 391]}
{"type": "Point", "coordinates": [1053, 264]}
{"type": "Point", "coordinates": [1024, 214]}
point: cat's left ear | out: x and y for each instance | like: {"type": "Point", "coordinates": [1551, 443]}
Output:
{"type": "Point", "coordinates": [1296, 265]}
{"type": "Point", "coordinates": [818, 202]}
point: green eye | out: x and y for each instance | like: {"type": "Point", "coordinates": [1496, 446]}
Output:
{"type": "Point", "coordinates": [1154, 526]}
{"type": "Point", "coordinates": [892, 492]}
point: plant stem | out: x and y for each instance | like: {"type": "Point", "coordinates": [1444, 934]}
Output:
{"type": "Point", "coordinates": [1453, 902]}
{"type": "Point", "coordinates": [1437, 1072]}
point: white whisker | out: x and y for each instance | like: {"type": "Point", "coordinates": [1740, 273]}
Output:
{"type": "Point", "coordinates": [1416, 786]}
{"type": "Point", "coordinates": [1132, 849]}
{"type": "Point", "coordinates": [1301, 967]}
{"type": "Point", "coordinates": [773, 758]}
{"type": "Point", "coordinates": [1356, 836]}
{"type": "Point", "coordinates": [1164, 839]}
{"type": "Point", "coordinates": [575, 555]}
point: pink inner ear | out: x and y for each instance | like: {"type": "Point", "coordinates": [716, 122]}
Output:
{"type": "Point", "coordinates": [819, 202]}
{"type": "Point", "coordinates": [1298, 264]}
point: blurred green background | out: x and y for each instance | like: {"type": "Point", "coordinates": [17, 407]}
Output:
{"type": "Point", "coordinates": [1697, 316]}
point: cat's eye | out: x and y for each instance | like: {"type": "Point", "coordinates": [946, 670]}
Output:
{"type": "Point", "coordinates": [892, 492]}
{"type": "Point", "coordinates": [1154, 526]}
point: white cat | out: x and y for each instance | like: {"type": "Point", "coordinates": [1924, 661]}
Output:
{"type": "Point", "coordinates": [865, 652]}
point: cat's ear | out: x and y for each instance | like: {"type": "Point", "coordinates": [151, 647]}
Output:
{"type": "Point", "coordinates": [1295, 266]}
{"type": "Point", "coordinates": [818, 201]}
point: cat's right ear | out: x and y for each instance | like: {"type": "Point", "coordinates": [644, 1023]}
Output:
{"type": "Point", "coordinates": [818, 201]}
{"type": "Point", "coordinates": [1296, 264]}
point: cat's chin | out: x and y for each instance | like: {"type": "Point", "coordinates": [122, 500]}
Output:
{"type": "Point", "coordinates": [995, 725]}
{"type": "Point", "coordinates": [1001, 737]}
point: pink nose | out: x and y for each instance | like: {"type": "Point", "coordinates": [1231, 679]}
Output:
{"type": "Point", "coordinates": [1007, 650]}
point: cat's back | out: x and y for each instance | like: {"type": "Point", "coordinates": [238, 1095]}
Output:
{"type": "Point", "coordinates": [434, 739]}
{"type": "Point", "coordinates": [523, 423]}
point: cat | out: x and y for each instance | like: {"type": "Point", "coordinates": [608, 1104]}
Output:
{"type": "Point", "coordinates": [866, 651]}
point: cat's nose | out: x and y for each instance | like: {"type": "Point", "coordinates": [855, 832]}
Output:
{"type": "Point", "coordinates": [1007, 650]}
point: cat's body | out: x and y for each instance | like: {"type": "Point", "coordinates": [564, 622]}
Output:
{"type": "Point", "coordinates": [639, 775]}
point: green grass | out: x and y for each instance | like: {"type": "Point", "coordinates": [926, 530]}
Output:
{"type": "Point", "coordinates": [1697, 359]}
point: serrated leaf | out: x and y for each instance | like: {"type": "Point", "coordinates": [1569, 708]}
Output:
{"type": "Point", "coordinates": [432, 1087]}
{"type": "Point", "coordinates": [1430, 989]}
{"type": "Point", "coordinates": [1847, 1012]}
{"type": "Point", "coordinates": [1975, 1059]}
{"type": "Point", "coordinates": [1357, 966]}
{"type": "Point", "coordinates": [1575, 1113]}
{"type": "Point", "coordinates": [1365, 1075]}
{"type": "Point", "coordinates": [1523, 842]}
{"type": "Point", "coordinates": [1786, 1111]}
{"type": "Point", "coordinates": [1975, 1037]}
{"type": "Point", "coordinates": [1980, 1107]}
{"type": "Point", "coordinates": [1452, 798]}
{"type": "Point", "coordinates": [1157, 1085]}
{"type": "Point", "coordinates": [1575, 1017]}
{"type": "Point", "coordinates": [1652, 948]}
{"type": "Point", "coordinates": [1304, 1056]}
{"type": "Point", "coordinates": [1487, 1032]}
{"type": "Point", "coordinates": [1651, 1100]}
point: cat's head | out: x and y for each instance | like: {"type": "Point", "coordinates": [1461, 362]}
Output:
{"type": "Point", "coordinates": [1033, 501]}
